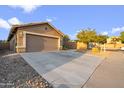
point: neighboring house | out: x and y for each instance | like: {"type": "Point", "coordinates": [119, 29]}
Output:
{"type": "Point", "coordinates": [35, 37]}
{"type": "Point", "coordinates": [109, 40]}
{"type": "Point", "coordinates": [113, 45]}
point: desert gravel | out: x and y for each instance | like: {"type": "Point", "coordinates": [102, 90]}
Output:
{"type": "Point", "coordinates": [16, 73]}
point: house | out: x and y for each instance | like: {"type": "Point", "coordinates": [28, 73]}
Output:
{"type": "Point", "coordinates": [35, 37]}
{"type": "Point", "coordinates": [116, 44]}
{"type": "Point", "coordinates": [109, 40]}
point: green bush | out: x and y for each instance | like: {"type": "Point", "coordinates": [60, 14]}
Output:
{"type": "Point", "coordinates": [66, 47]}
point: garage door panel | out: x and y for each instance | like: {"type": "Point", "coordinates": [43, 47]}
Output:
{"type": "Point", "coordinates": [36, 43]}
{"type": "Point", "coordinates": [50, 43]}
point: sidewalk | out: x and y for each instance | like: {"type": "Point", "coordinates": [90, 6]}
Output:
{"type": "Point", "coordinates": [110, 74]}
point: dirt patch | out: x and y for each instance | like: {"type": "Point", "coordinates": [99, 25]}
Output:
{"type": "Point", "coordinates": [15, 72]}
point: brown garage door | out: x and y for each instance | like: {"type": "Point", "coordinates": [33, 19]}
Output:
{"type": "Point", "coordinates": [36, 43]}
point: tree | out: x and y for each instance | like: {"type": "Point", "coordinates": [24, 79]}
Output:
{"type": "Point", "coordinates": [3, 41]}
{"type": "Point", "coordinates": [122, 36]}
{"type": "Point", "coordinates": [114, 40]}
{"type": "Point", "coordinates": [87, 35]}
{"type": "Point", "coordinates": [101, 39]}
{"type": "Point", "coordinates": [66, 38]}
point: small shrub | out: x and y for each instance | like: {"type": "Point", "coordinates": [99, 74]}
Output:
{"type": "Point", "coordinates": [96, 50]}
{"type": "Point", "coordinates": [65, 47]}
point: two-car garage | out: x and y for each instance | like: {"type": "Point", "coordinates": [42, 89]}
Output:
{"type": "Point", "coordinates": [36, 43]}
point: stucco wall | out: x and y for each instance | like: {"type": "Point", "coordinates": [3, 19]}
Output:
{"type": "Point", "coordinates": [20, 38]}
{"type": "Point", "coordinates": [81, 46]}
{"type": "Point", "coordinates": [42, 29]}
{"type": "Point", "coordinates": [13, 43]}
{"type": "Point", "coordinates": [20, 41]}
{"type": "Point", "coordinates": [111, 46]}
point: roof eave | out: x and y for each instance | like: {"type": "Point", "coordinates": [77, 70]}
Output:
{"type": "Point", "coordinates": [30, 24]}
{"type": "Point", "coordinates": [11, 32]}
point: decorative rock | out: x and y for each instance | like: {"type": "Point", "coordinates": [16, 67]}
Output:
{"type": "Point", "coordinates": [15, 70]}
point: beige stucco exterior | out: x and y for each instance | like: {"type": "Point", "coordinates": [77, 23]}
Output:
{"type": "Point", "coordinates": [40, 29]}
{"type": "Point", "coordinates": [81, 46]}
{"type": "Point", "coordinates": [109, 40]}
{"type": "Point", "coordinates": [13, 43]}
{"type": "Point", "coordinates": [43, 30]}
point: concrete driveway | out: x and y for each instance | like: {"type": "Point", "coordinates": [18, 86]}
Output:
{"type": "Point", "coordinates": [65, 68]}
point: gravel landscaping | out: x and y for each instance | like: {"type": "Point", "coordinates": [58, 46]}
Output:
{"type": "Point", "coordinates": [16, 73]}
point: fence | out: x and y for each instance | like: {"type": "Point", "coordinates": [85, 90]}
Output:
{"type": "Point", "coordinates": [70, 45]}
{"type": "Point", "coordinates": [4, 45]}
{"type": "Point", "coordinates": [112, 46]}
{"type": "Point", "coordinates": [81, 46]}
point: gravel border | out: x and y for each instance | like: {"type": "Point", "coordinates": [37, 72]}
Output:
{"type": "Point", "coordinates": [16, 73]}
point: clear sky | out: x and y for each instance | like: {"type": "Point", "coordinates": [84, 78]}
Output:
{"type": "Point", "coordinates": [69, 19]}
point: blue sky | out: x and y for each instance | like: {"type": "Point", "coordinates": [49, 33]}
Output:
{"type": "Point", "coordinates": [69, 19]}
